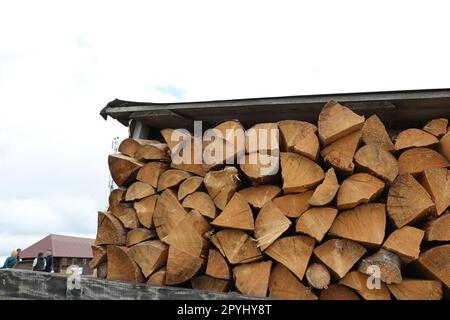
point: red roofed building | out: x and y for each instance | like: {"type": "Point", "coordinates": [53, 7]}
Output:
{"type": "Point", "coordinates": [66, 251]}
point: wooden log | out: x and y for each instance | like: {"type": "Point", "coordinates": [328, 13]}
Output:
{"type": "Point", "coordinates": [338, 292]}
{"type": "Point", "coordinates": [339, 255]}
{"type": "Point", "coordinates": [150, 172]}
{"type": "Point", "coordinates": [408, 202]}
{"type": "Point", "coordinates": [405, 242]}
{"type": "Point", "coordinates": [358, 189]}
{"type": "Point", "coordinates": [217, 267]}
{"type": "Point", "coordinates": [437, 127]}
{"type": "Point", "coordinates": [123, 169]}
{"type": "Point", "coordinates": [139, 235]}
{"type": "Point", "coordinates": [293, 252]}
{"type": "Point", "coordinates": [284, 285]}
{"type": "Point", "coordinates": [318, 276]}
{"type": "Point", "coordinates": [207, 283]}
{"type": "Point", "coordinates": [170, 137]}
{"type": "Point", "coordinates": [188, 186]}
{"type": "Point", "coordinates": [340, 153]}
{"type": "Point", "coordinates": [388, 264]}
{"type": "Point", "coordinates": [145, 209]}
{"type": "Point", "coordinates": [215, 241]}
{"type": "Point", "coordinates": [237, 214]}
{"type": "Point", "coordinates": [416, 289]}
{"type": "Point", "coordinates": [121, 266]}
{"type": "Point", "coordinates": [410, 138]}
{"type": "Point", "coordinates": [358, 282]}
{"type": "Point", "coordinates": [262, 137]}
{"type": "Point", "coordinates": [110, 230]}
{"type": "Point", "coordinates": [149, 255]}
{"type": "Point", "coordinates": [181, 266]}
{"type": "Point", "coordinates": [102, 270]}
{"type": "Point", "coordinates": [158, 278]}
{"type": "Point", "coordinates": [316, 222]}
{"type": "Point", "coordinates": [437, 182]}
{"type": "Point", "coordinates": [157, 151]}
{"type": "Point", "coordinates": [299, 173]}
{"type": "Point", "coordinates": [292, 132]}
{"type": "Point", "coordinates": [221, 185]}
{"type": "Point", "coordinates": [98, 256]}
{"type": "Point", "coordinates": [129, 146]}
{"type": "Point", "coordinates": [417, 160]}
{"type": "Point", "coordinates": [293, 205]}
{"type": "Point", "coordinates": [116, 196]}
{"type": "Point", "coordinates": [270, 224]}
{"type": "Point", "coordinates": [374, 133]}
{"type": "Point", "coordinates": [435, 263]}
{"type": "Point", "coordinates": [172, 178]}
{"type": "Point", "coordinates": [378, 162]}
{"type": "Point", "coordinates": [326, 191]}
{"type": "Point", "coordinates": [444, 146]}
{"type": "Point", "coordinates": [364, 224]}
{"type": "Point", "coordinates": [258, 196]}
{"type": "Point", "coordinates": [259, 168]}
{"type": "Point", "coordinates": [167, 214]}
{"type": "Point", "coordinates": [253, 278]}
{"type": "Point", "coordinates": [202, 202]}
{"type": "Point", "coordinates": [438, 229]}
{"type": "Point", "coordinates": [237, 246]}
{"type": "Point", "coordinates": [126, 214]}
{"type": "Point", "coordinates": [138, 190]}
{"type": "Point", "coordinates": [195, 168]}
{"type": "Point", "coordinates": [308, 146]}
{"type": "Point", "coordinates": [199, 223]}
{"type": "Point", "coordinates": [337, 121]}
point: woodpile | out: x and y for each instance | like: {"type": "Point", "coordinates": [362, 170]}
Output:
{"type": "Point", "coordinates": [351, 211]}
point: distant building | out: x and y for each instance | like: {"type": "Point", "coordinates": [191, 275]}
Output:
{"type": "Point", "coordinates": [67, 251]}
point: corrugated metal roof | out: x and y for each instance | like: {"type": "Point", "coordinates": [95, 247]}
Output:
{"type": "Point", "coordinates": [61, 246]}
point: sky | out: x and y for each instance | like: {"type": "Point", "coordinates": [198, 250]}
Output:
{"type": "Point", "coordinates": [62, 61]}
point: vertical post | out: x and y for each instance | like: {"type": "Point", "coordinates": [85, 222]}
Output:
{"type": "Point", "coordinates": [138, 130]}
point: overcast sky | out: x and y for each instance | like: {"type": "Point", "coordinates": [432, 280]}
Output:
{"type": "Point", "coordinates": [62, 61]}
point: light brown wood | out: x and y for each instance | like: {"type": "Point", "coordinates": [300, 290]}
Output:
{"type": "Point", "coordinates": [260, 168]}
{"type": "Point", "coordinates": [318, 276]}
{"type": "Point", "coordinates": [374, 133]}
{"type": "Point", "coordinates": [365, 224]}
{"type": "Point", "coordinates": [316, 222]}
{"type": "Point", "coordinates": [338, 292]}
{"type": "Point", "coordinates": [139, 235]}
{"type": "Point", "coordinates": [237, 246]}
{"type": "Point", "coordinates": [209, 284]}
{"type": "Point", "coordinates": [299, 173]}
{"type": "Point", "coordinates": [237, 214]}
{"type": "Point", "coordinates": [292, 132]}
{"type": "Point", "coordinates": [358, 282]}
{"type": "Point", "coordinates": [437, 182]}
{"type": "Point", "coordinates": [123, 169]}
{"type": "Point", "coordinates": [167, 214]}
{"type": "Point", "coordinates": [357, 189]}
{"type": "Point", "coordinates": [151, 172]}
{"type": "Point", "coordinates": [181, 266]}
{"type": "Point", "coordinates": [194, 168]}
{"type": "Point", "coordinates": [158, 278]}
{"type": "Point", "coordinates": [437, 127]}
{"type": "Point", "coordinates": [378, 162]}
{"type": "Point", "coordinates": [414, 138]}
{"type": "Point", "coordinates": [339, 255]}
{"type": "Point", "coordinates": [270, 224]}
{"type": "Point", "coordinates": [116, 196]}
{"type": "Point", "coordinates": [258, 196]}
{"type": "Point", "coordinates": [149, 255]}
{"type": "Point", "coordinates": [98, 256]}
{"type": "Point", "coordinates": [102, 270]}
{"type": "Point", "coordinates": [145, 209]}
{"type": "Point", "coordinates": [417, 160]}
{"type": "Point", "coordinates": [188, 186]}
{"type": "Point", "coordinates": [221, 185]}
{"type": "Point", "coordinates": [405, 242]}
{"type": "Point", "coordinates": [408, 202]}
{"type": "Point", "coordinates": [202, 202]}
{"type": "Point", "coordinates": [129, 146]}
{"type": "Point", "coordinates": [262, 137]}
{"type": "Point", "coordinates": [172, 178]}
{"type": "Point", "coordinates": [336, 121]}
{"type": "Point", "coordinates": [444, 146]}
{"type": "Point", "coordinates": [438, 229]}
{"type": "Point", "coordinates": [253, 278]}
{"type": "Point", "coordinates": [388, 264]}
{"type": "Point", "coordinates": [293, 252]}
{"type": "Point", "coordinates": [174, 145]}
{"type": "Point", "coordinates": [217, 267]}
{"type": "Point", "coordinates": [340, 153]}
{"type": "Point", "coordinates": [326, 191]}
{"type": "Point", "coordinates": [110, 230]}
{"type": "Point", "coordinates": [308, 146]}
{"type": "Point", "coordinates": [435, 263]}
{"type": "Point", "coordinates": [152, 152]}
{"type": "Point", "coordinates": [416, 289]}
{"type": "Point", "coordinates": [126, 214]}
{"type": "Point", "coordinates": [200, 223]}
{"type": "Point", "coordinates": [138, 190]}
{"type": "Point", "coordinates": [284, 285]}
{"type": "Point", "coordinates": [293, 205]}
{"type": "Point", "coordinates": [120, 265]}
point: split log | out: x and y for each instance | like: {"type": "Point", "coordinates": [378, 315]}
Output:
{"type": "Point", "coordinates": [202, 202]}
{"type": "Point", "coordinates": [417, 160]}
{"type": "Point", "coordinates": [408, 202]}
{"type": "Point", "coordinates": [337, 121]}
{"type": "Point", "coordinates": [357, 189]}
{"type": "Point", "coordinates": [308, 146]}
{"type": "Point", "coordinates": [151, 172]}
{"type": "Point", "coordinates": [98, 256]}
{"type": "Point", "coordinates": [102, 270]}
{"type": "Point", "coordinates": [339, 255]}
{"type": "Point", "coordinates": [437, 182]}
{"type": "Point", "coordinates": [299, 173]}
{"type": "Point", "coordinates": [435, 263]}
{"type": "Point", "coordinates": [410, 138]}
{"type": "Point", "coordinates": [340, 153]}
{"type": "Point", "coordinates": [145, 209]}
{"type": "Point", "coordinates": [284, 285]}
{"type": "Point", "coordinates": [388, 264]}
{"type": "Point", "coordinates": [139, 235]}
{"type": "Point", "coordinates": [416, 289]}
{"type": "Point", "coordinates": [326, 191]}
{"type": "Point", "coordinates": [126, 214]}
{"type": "Point", "coordinates": [374, 133]}
{"type": "Point", "coordinates": [437, 127]}
{"type": "Point", "coordinates": [116, 197]}
{"type": "Point", "coordinates": [121, 266]}
{"type": "Point", "coordinates": [260, 168]}
{"type": "Point", "coordinates": [316, 222]}
{"type": "Point", "coordinates": [299, 137]}
{"type": "Point", "coordinates": [221, 185]}
{"type": "Point", "coordinates": [262, 137]}
{"type": "Point", "coordinates": [149, 255]}
{"type": "Point", "coordinates": [258, 196]}
{"type": "Point", "coordinates": [172, 178]}
{"type": "Point", "coordinates": [359, 282]}
{"type": "Point", "coordinates": [438, 229]}
{"type": "Point", "coordinates": [217, 267]}
{"type": "Point", "coordinates": [129, 146]}
{"type": "Point", "coordinates": [293, 252]}
{"type": "Point", "coordinates": [188, 186]}
{"type": "Point", "coordinates": [199, 223]}
{"type": "Point", "coordinates": [237, 214]}
{"type": "Point", "coordinates": [444, 146]}
{"type": "Point", "coordinates": [209, 284]}
{"type": "Point", "coordinates": [318, 276]}
{"type": "Point", "coordinates": [378, 162]}
{"type": "Point", "coordinates": [181, 266]}
{"type": "Point", "coordinates": [158, 278]}
{"type": "Point", "coordinates": [123, 169]}
{"type": "Point", "coordinates": [215, 241]}
{"type": "Point", "coordinates": [253, 278]}
{"type": "Point", "coordinates": [138, 190]}
{"type": "Point", "coordinates": [365, 224]}
{"type": "Point", "coordinates": [405, 242]}
{"type": "Point", "coordinates": [338, 292]}
{"type": "Point", "coordinates": [195, 168]}
{"type": "Point", "coordinates": [110, 230]}
{"type": "Point", "coordinates": [270, 224]}
{"type": "Point", "coordinates": [293, 205]}
{"type": "Point", "coordinates": [151, 152]}
{"type": "Point", "coordinates": [237, 246]}
{"type": "Point", "coordinates": [170, 137]}
{"type": "Point", "coordinates": [167, 214]}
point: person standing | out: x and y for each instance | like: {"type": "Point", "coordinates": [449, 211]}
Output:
{"type": "Point", "coordinates": [18, 255]}
{"type": "Point", "coordinates": [49, 261]}
{"type": "Point", "coordinates": [39, 262]}
{"type": "Point", "coordinates": [11, 261]}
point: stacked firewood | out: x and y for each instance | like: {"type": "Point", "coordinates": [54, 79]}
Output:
{"type": "Point", "coordinates": [345, 214]}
